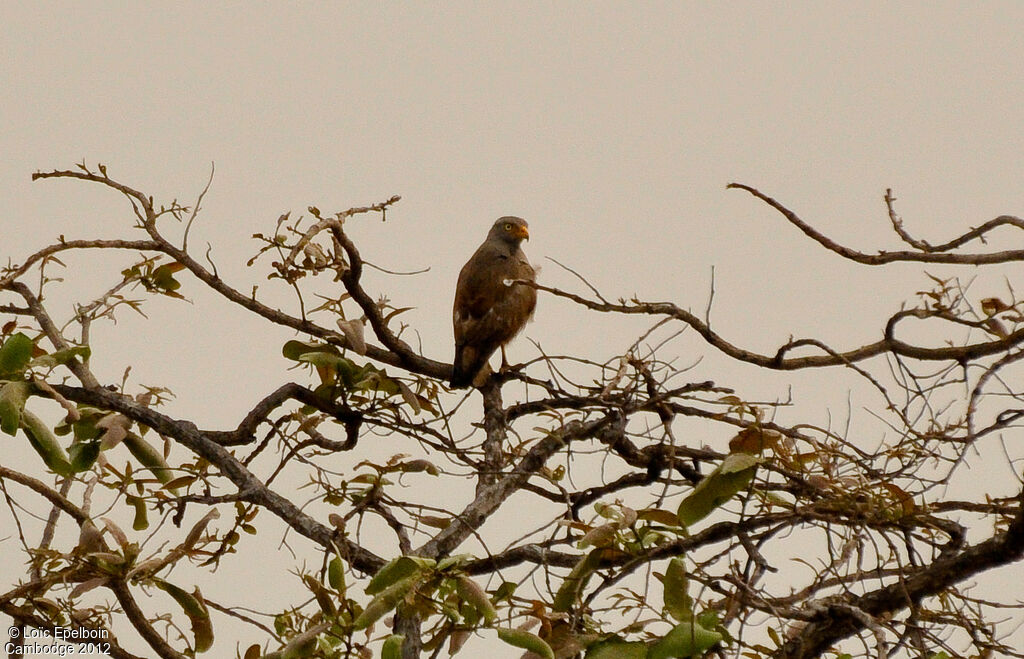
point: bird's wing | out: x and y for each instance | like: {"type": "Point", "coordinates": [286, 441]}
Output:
{"type": "Point", "coordinates": [479, 290]}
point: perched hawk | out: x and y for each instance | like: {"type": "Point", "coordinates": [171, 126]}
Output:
{"type": "Point", "coordinates": [489, 310]}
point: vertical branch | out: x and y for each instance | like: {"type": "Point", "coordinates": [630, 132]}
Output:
{"type": "Point", "coordinates": [51, 524]}
{"type": "Point", "coordinates": [408, 624]}
{"type": "Point", "coordinates": [494, 426]}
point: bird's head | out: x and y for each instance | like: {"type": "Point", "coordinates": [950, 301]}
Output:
{"type": "Point", "coordinates": [510, 229]}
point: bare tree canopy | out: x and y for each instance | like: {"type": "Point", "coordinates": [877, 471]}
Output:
{"type": "Point", "coordinates": [641, 542]}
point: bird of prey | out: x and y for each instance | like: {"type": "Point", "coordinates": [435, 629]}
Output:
{"type": "Point", "coordinates": [489, 310]}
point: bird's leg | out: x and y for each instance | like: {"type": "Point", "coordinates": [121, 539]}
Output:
{"type": "Point", "coordinates": [505, 366]}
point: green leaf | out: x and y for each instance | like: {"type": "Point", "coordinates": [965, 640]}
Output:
{"type": "Point", "coordinates": [12, 401]}
{"type": "Point", "coordinates": [195, 608]}
{"type": "Point", "coordinates": [317, 358]}
{"type": "Point", "coordinates": [185, 599]}
{"type": "Point", "coordinates": [576, 580]}
{"type": "Point", "coordinates": [149, 456]}
{"type": "Point", "coordinates": [163, 277]}
{"type": "Point", "coordinates": [202, 631]}
{"type": "Point", "coordinates": [392, 648]}
{"type": "Point", "coordinates": [413, 466]}
{"type": "Point", "coordinates": [83, 454]}
{"type": "Point", "coordinates": [616, 648]}
{"type": "Point", "coordinates": [324, 356]}
{"type": "Point", "coordinates": [295, 349]}
{"type": "Point", "coordinates": [676, 586]}
{"type": "Point", "coordinates": [141, 521]}
{"type": "Point", "coordinates": [323, 597]}
{"type": "Point", "coordinates": [734, 474]}
{"type": "Point", "coordinates": [710, 619]}
{"type": "Point", "coordinates": [370, 378]}
{"type": "Point", "coordinates": [347, 369]}
{"type": "Point", "coordinates": [738, 462]}
{"type": "Point", "coordinates": [369, 479]}
{"type": "Point", "coordinates": [85, 427]}
{"type": "Point", "coordinates": [455, 560]}
{"type": "Point", "coordinates": [336, 574]}
{"type": "Point", "coordinates": [527, 641]}
{"type": "Point", "coordinates": [302, 645]}
{"type": "Point", "coordinates": [281, 623]}
{"type": "Point", "coordinates": [45, 443]}
{"type": "Point", "coordinates": [505, 591]}
{"type": "Point", "coordinates": [15, 354]}
{"type": "Point", "coordinates": [684, 640]}
{"type": "Point", "coordinates": [385, 601]}
{"type": "Point", "coordinates": [599, 536]}
{"type": "Point", "coordinates": [658, 516]}
{"type": "Point", "coordinates": [61, 357]}
{"type": "Point", "coordinates": [396, 570]}
{"type": "Point", "coordinates": [180, 482]}
{"type": "Point", "coordinates": [471, 593]}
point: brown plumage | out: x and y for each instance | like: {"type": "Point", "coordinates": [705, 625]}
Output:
{"type": "Point", "coordinates": [489, 312]}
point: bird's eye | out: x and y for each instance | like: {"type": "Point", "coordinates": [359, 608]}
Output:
{"type": "Point", "coordinates": [508, 226]}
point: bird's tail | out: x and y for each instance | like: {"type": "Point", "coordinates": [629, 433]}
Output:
{"type": "Point", "coordinates": [466, 365]}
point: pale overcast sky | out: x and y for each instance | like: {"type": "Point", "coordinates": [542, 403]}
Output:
{"type": "Point", "coordinates": [612, 127]}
